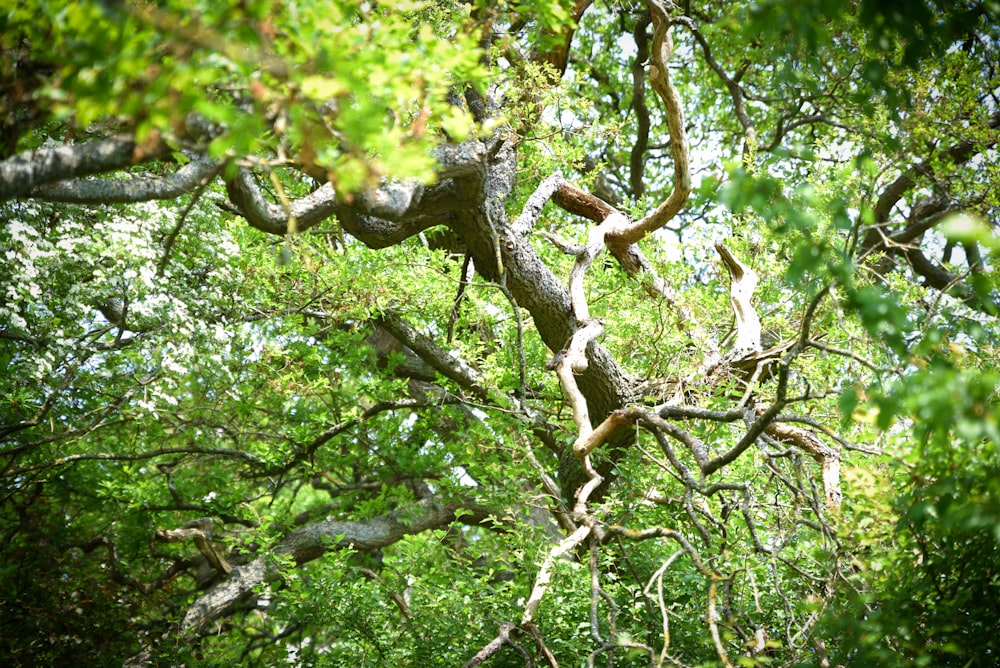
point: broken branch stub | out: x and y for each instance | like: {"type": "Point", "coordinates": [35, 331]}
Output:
{"type": "Point", "coordinates": [200, 532]}
{"type": "Point", "coordinates": [743, 283]}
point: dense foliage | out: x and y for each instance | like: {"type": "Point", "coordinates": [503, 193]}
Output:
{"type": "Point", "coordinates": [447, 333]}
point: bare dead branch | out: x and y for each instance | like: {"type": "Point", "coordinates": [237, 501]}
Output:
{"type": "Point", "coordinates": [585, 445]}
{"type": "Point", "coordinates": [743, 282]}
{"type": "Point", "coordinates": [815, 448]}
{"type": "Point", "coordinates": [544, 577]}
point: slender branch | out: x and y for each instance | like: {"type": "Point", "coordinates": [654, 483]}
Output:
{"type": "Point", "coordinates": [732, 85]}
{"type": "Point", "coordinates": [659, 79]}
{"type": "Point", "coordinates": [544, 577]}
{"type": "Point", "coordinates": [713, 623]}
{"type": "Point", "coordinates": [448, 365]}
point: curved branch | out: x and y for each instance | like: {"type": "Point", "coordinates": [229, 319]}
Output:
{"type": "Point", "coordinates": [659, 78]}
{"type": "Point", "coordinates": [200, 531]}
{"type": "Point", "coordinates": [312, 541]}
{"type": "Point", "coordinates": [828, 457]}
{"type": "Point", "coordinates": [273, 218]}
{"type": "Point", "coordinates": [637, 156]}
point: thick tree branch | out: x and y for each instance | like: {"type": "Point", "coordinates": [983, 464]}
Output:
{"type": "Point", "coordinates": [273, 218]}
{"type": "Point", "coordinates": [557, 55]}
{"type": "Point", "coordinates": [311, 541]}
{"type": "Point", "coordinates": [135, 189]}
{"type": "Point", "coordinates": [815, 448]}
{"type": "Point", "coordinates": [22, 173]}
{"type": "Point", "coordinates": [442, 361]}
{"type": "Point", "coordinates": [637, 156]}
{"type": "Point", "coordinates": [378, 217]}
{"type": "Point", "coordinates": [581, 203]}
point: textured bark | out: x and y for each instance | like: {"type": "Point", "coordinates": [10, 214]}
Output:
{"type": "Point", "coordinates": [21, 173]}
{"type": "Point", "coordinates": [487, 234]}
{"type": "Point", "coordinates": [135, 189]}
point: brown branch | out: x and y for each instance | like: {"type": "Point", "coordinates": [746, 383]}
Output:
{"type": "Point", "coordinates": [663, 532]}
{"type": "Point", "coordinates": [637, 156]}
{"type": "Point", "coordinates": [540, 644]}
{"type": "Point", "coordinates": [581, 203]}
{"type": "Point", "coordinates": [659, 79]}
{"type": "Point", "coordinates": [404, 609]}
{"type": "Point", "coordinates": [957, 154]}
{"type": "Point", "coordinates": [558, 54]}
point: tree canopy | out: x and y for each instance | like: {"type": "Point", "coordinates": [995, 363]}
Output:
{"type": "Point", "coordinates": [427, 332]}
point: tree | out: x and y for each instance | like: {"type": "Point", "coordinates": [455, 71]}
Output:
{"type": "Point", "coordinates": [541, 333]}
